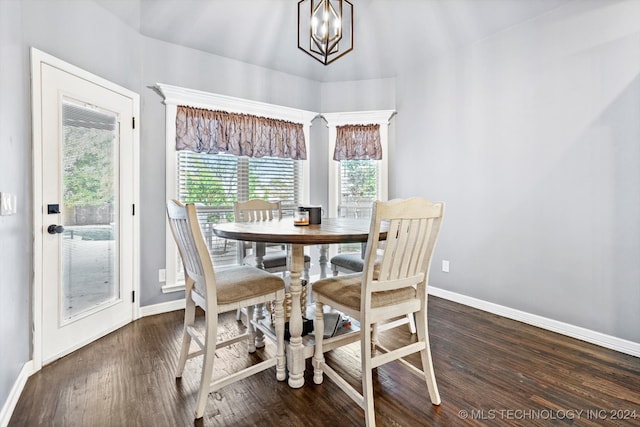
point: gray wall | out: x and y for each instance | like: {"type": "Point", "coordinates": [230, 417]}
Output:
{"type": "Point", "coordinates": [83, 34]}
{"type": "Point", "coordinates": [88, 36]}
{"type": "Point", "coordinates": [15, 177]}
{"type": "Point", "coordinates": [530, 136]}
{"type": "Point", "coordinates": [175, 65]}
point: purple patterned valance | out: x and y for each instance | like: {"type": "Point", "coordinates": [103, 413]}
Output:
{"type": "Point", "coordinates": [206, 131]}
{"type": "Point", "coordinates": [358, 142]}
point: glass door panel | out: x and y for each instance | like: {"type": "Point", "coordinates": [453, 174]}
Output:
{"type": "Point", "coordinates": [90, 197]}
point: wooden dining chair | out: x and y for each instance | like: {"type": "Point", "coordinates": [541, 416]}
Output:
{"type": "Point", "coordinates": [218, 292]}
{"type": "Point", "coordinates": [392, 286]}
{"type": "Point", "coordinates": [272, 261]}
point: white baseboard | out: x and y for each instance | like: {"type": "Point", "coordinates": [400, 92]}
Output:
{"type": "Point", "coordinates": [165, 307]}
{"type": "Point", "coordinates": [593, 337]}
{"type": "Point", "coordinates": [14, 394]}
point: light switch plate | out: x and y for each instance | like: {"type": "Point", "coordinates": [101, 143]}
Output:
{"type": "Point", "coordinates": [8, 204]}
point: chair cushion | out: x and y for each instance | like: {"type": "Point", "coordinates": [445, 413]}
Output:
{"type": "Point", "coordinates": [273, 260]}
{"type": "Point", "coordinates": [353, 262]}
{"type": "Point", "coordinates": [238, 283]}
{"type": "Point", "coordinates": [346, 290]}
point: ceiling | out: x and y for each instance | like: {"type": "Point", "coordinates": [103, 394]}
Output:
{"type": "Point", "coordinates": [389, 35]}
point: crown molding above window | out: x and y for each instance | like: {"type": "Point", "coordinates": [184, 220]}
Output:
{"type": "Point", "coordinates": [175, 95]}
{"type": "Point", "coordinates": [380, 117]}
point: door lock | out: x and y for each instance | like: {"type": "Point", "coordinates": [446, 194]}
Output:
{"type": "Point", "coordinates": [53, 229]}
{"type": "Point", "coordinates": [53, 209]}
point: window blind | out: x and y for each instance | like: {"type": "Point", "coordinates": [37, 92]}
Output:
{"type": "Point", "coordinates": [358, 188]}
{"type": "Point", "coordinates": [273, 178]}
{"type": "Point", "coordinates": [221, 179]}
{"type": "Point", "coordinates": [85, 117]}
{"type": "Point", "coordinates": [215, 181]}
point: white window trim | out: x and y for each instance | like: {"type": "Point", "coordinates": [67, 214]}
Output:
{"type": "Point", "coordinates": [380, 117]}
{"type": "Point", "coordinates": [174, 96]}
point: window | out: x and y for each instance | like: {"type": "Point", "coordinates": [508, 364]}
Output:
{"type": "Point", "coordinates": [355, 184]}
{"type": "Point", "coordinates": [221, 179]}
{"type": "Point", "coordinates": [358, 184]}
{"type": "Point", "coordinates": [215, 181]}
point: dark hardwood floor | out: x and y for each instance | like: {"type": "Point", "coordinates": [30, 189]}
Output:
{"type": "Point", "coordinates": [490, 371]}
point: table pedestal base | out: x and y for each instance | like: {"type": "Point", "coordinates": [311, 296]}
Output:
{"type": "Point", "coordinates": [295, 353]}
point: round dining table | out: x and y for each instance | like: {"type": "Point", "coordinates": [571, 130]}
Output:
{"type": "Point", "coordinates": [331, 230]}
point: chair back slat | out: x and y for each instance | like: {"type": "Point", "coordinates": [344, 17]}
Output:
{"type": "Point", "coordinates": [187, 233]}
{"type": "Point", "coordinates": [421, 244]}
{"type": "Point", "coordinates": [412, 228]}
{"type": "Point", "coordinates": [252, 211]}
{"type": "Point", "coordinates": [257, 210]}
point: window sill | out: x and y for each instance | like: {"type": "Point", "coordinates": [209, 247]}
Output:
{"type": "Point", "coordinates": [176, 287]}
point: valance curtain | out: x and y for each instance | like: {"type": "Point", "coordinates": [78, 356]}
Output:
{"type": "Point", "coordinates": [358, 142]}
{"type": "Point", "coordinates": [206, 131]}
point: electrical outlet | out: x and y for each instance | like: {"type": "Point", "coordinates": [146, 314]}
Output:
{"type": "Point", "coordinates": [162, 275]}
{"type": "Point", "coordinates": [445, 265]}
{"type": "Point", "coordinates": [8, 204]}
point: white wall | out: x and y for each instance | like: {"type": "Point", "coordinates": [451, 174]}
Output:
{"type": "Point", "coordinates": [531, 138]}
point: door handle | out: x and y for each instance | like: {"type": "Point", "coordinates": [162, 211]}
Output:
{"type": "Point", "coordinates": [53, 229]}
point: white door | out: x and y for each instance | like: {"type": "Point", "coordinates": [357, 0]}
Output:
{"type": "Point", "coordinates": [87, 226]}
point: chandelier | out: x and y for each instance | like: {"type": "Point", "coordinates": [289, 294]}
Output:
{"type": "Point", "coordinates": [325, 29]}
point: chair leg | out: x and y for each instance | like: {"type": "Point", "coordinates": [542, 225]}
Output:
{"type": "Point", "coordinates": [281, 362]}
{"type": "Point", "coordinates": [189, 319]}
{"type": "Point", "coordinates": [366, 349]}
{"type": "Point", "coordinates": [425, 356]}
{"type": "Point", "coordinates": [334, 270]}
{"type": "Point", "coordinates": [259, 316]}
{"type": "Point", "coordinates": [374, 337]}
{"type": "Point", "coordinates": [210, 341]}
{"type": "Point", "coordinates": [305, 273]}
{"type": "Point", "coordinates": [251, 330]}
{"type": "Point", "coordinates": [318, 357]}
{"type": "Point", "coordinates": [411, 318]}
